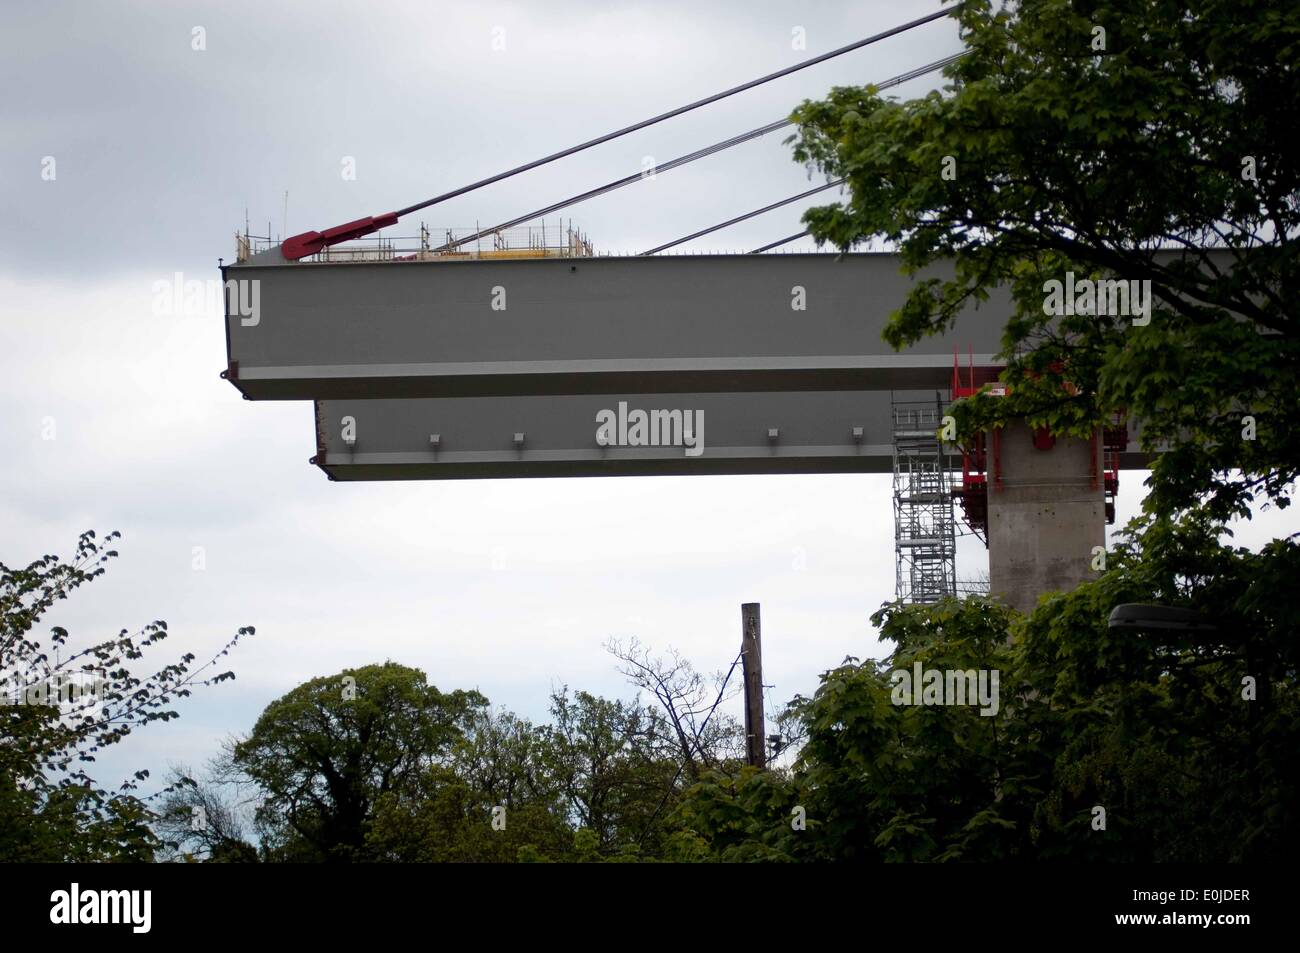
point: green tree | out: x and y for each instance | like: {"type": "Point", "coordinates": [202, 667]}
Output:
{"type": "Point", "coordinates": [1087, 138]}
{"type": "Point", "coordinates": [60, 711]}
{"type": "Point", "coordinates": [598, 783]}
{"type": "Point", "coordinates": [1184, 741]}
{"type": "Point", "coordinates": [616, 767]}
{"type": "Point", "coordinates": [876, 780]}
{"type": "Point", "coordinates": [495, 799]}
{"type": "Point", "coordinates": [1129, 139]}
{"type": "Point", "coordinates": [326, 752]}
{"type": "Point", "coordinates": [1184, 738]}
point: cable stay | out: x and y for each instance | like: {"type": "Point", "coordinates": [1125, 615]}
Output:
{"type": "Point", "coordinates": [741, 218]}
{"type": "Point", "coordinates": [678, 162]}
{"type": "Point", "coordinates": [780, 241]}
{"type": "Point", "coordinates": [619, 183]}
{"type": "Point", "coordinates": [309, 243]}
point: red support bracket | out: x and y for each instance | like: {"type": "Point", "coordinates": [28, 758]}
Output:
{"type": "Point", "coordinates": [309, 243]}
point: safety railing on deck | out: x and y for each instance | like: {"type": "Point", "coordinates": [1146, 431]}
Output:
{"type": "Point", "coordinates": [545, 240]}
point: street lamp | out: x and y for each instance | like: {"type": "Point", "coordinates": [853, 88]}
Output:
{"type": "Point", "coordinates": [1137, 616]}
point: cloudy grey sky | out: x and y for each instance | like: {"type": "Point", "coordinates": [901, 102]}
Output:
{"type": "Point", "coordinates": [510, 587]}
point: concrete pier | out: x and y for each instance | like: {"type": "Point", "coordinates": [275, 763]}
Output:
{"type": "Point", "coordinates": [1046, 516]}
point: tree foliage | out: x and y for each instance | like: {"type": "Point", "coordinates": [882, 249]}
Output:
{"type": "Point", "coordinates": [61, 710]}
{"type": "Point", "coordinates": [327, 751]}
{"type": "Point", "coordinates": [1134, 139]}
{"type": "Point", "coordinates": [375, 764]}
{"type": "Point", "coordinates": [1158, 731]}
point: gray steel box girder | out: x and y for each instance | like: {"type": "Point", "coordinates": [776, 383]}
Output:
{"type": "Point", "coordinates": [711, 323]}
{"type": "Point", "coordinates": [476, 436]}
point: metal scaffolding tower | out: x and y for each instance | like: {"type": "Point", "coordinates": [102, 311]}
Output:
{"type": "Point", "coordinates": [925, 537]}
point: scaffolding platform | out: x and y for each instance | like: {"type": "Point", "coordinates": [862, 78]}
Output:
{"type": "Point", "coordinates": [544, 240]}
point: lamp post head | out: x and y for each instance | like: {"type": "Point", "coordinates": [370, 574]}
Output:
{"type": "Point", "coordinates": [1141, 617]}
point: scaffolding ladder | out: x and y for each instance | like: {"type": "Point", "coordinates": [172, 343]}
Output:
{"type": "Point", "coordinates": [925, 536]}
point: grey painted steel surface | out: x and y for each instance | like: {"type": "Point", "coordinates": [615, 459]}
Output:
{"type": "Point", "coordinates": [592, 325]}
{"type": "Point", "coordinates": [476, 436]}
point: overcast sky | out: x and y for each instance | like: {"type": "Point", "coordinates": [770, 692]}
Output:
{"type": "Point", "coordinates": [510, 587]}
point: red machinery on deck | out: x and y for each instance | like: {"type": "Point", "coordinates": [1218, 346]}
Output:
{"type": "Point", "coordinates": [973, 491]}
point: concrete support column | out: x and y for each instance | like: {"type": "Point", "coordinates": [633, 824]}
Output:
{"type": "Point", "coordinates": [1046, 516]}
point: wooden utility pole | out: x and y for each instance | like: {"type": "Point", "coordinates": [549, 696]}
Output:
{"type": "Point", "coordinates": [751, 657]}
